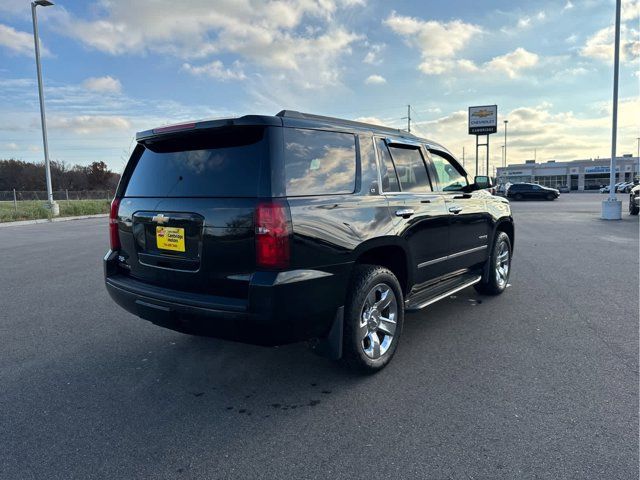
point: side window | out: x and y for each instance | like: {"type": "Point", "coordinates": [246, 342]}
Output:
{"type": "Point", "coordinates": [449, 178]}
{"type": "Point", "coordinates": [411, 169]}
{"type": "Point", "coordinates": [387, 172]}
{"type": "Point", "coordinates": [318, 162]}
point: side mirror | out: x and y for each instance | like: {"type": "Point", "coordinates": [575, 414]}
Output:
{"type": "Point", "coordinates": [483, 181]}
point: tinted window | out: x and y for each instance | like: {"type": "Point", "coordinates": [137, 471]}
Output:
{"type": "Point", "coordinates": [319, 163]}
{"type": "Point", "coordinates": [224, 162]}
{"type": "Point", "coordinates": [387, 172]}
{"type": "Point", "coordinates": [449, 178]}
{"type": "Point", "coordinates": [411, 170]}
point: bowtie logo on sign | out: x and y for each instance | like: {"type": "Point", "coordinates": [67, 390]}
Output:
{"type": "Point", "coordinates": [482, 113]}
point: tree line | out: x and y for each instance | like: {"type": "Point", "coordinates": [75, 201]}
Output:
{"type": "Point", "coordinates": [23, 175]}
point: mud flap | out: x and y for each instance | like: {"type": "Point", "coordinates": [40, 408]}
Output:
{"type": "Point", "coordinates": [331, 345]}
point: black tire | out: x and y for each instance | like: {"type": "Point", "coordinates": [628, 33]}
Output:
{"type": "Point", "coordinates": [361, 322]}
{"type": "Point", "coordinates": [518, 196]}
{"type": "Point", "coordinates": [551, 196]}
{"type": "Point", "coordinates": [633, 210]}
{"type": "Point", "coordinates": [493, 283]}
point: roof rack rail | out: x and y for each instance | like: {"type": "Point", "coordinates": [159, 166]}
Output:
{"type": "Point", "coordinates": [353, 123]}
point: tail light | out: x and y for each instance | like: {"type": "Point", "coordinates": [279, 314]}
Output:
{"type": "Point", "coordinates": [273, 230]}
{"type": "Point", "coordinates": [113, 224]}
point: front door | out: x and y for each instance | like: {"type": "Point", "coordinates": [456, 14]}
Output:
{"type": "Point", "coordinates": [423, 220]}
{"type": "Point", "coordinates": [470, 223]}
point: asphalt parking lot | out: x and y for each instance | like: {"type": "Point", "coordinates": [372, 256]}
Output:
{"type": "Point", "coordinates": [541, 382]}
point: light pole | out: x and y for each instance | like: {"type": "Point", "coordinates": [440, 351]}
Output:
{"type": "Point", "coordinates": [612, 207]}
{"type": "Point", "coordinates": [53, 206]}
{"type": "Point", "coordinates": [505, 142]}
{"type": "Point", "coordinates": [638, 170]}
{"type": "Point", "coordinates": [503, 161]}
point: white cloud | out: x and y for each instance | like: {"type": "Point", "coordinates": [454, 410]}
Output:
{"type": "Point", "coordinates": [12, 146]}
{"type": "Point", "coordinates": [512, 63]}
{"type": "Point", "coordinates": [630, 10]}
{"type": "Point", "coordinates": [375, 80]}
{"type": "Point", "coordinates": [217, 70]}
{"type": "Point", "coordinates": [89, 124]}
{"type": "Point", "coordinates": [524, 22]}
{"type": "Point", "coordinates": [434, 39]}
{"type": "Point", "coordinates": [374, 55]}
{"type": "Point", "coordinates": [372, 120]}
{"type": "Point", "coordinates": [568, 5]}
{"type": "Point", "coordinates": [599, 46]}
{"type": "Point", "coordinates": [573, 38]}
{"type": "Point", "coordinates": [439, 43]}
{"type": "Point", "coordinates": [20, 43]}
{"type": "Point", "coordinates": [106, 84]}
{"type": "Point", "coordinates": [268, 35]}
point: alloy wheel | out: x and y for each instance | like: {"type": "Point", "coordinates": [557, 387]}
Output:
{"type": "Point", "coordinates": [502, 264]}
{"type": "Point", "coordinates": [378, 321]}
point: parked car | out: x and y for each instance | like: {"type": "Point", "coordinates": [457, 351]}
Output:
{"type": "Point", "coordinates": [605, 188]}
{"type": "Point", "coordinates": [564, 189]}
{"type": "Point", "coordinates": [502, 188]}
{"type": "Point", "coordinates": [277, 229]}
{"type": "Point", "coordinates": [629, 186]}
{"type": "Point", "coordinates": [531, 191]}
{"type": "Point", "coordinates": [621, 188]}
{"type": "Point", "coordinates": [634, 200]}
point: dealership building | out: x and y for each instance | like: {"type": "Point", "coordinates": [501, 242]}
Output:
{"type": "Point", "coordinates": [587, 174]}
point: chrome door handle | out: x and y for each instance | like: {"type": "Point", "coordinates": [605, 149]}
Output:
{"type": "Point", "coordinates": [404, 212]}
{"type": "Point", "coordinates": [455, 209]}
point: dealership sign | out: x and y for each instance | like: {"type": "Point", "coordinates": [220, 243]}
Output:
{"type": "Point", "coordinates": [483, 120]}
{"type": "Point", "coordinates": [600, 169]}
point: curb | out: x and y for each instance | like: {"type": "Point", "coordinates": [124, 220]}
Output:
{"type": "Point", "coordinates": [55, 220]}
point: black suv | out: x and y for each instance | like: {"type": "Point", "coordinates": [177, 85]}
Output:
{"type": "Point", "coordinates": [532, 191]}
{"type": "Point", "coordinates": [276, 229]}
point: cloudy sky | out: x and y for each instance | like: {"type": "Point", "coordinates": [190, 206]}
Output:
{"type": "Point", "coordinates": [113, 67]}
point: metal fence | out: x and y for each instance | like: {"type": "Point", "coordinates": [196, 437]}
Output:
{"type": "Point", "coordinates": [58, 195]}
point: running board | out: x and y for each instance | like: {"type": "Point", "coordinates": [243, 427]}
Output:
{"type": "Point", "coordinates": [419, 300]}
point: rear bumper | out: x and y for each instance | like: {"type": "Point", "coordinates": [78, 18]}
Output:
{"type": "Point", "coordinates": [282, 307]}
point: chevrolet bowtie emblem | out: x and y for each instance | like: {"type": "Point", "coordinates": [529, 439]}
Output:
{"type": "Point", "coordinates": [160, 218]}
{"type": "Point", "coordinates": [482, 113]}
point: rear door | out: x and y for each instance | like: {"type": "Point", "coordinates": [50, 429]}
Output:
{"type": "Point", "coordinates": [186, 217]}
{"type": "Point", "coordinates": [470, 222]}
{"type": "Point", "coordinates": [421, 215]}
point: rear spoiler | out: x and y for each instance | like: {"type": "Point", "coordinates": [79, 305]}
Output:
{"type": "Point", "coordinates": [178, 128]}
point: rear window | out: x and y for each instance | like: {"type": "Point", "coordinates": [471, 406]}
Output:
{"type": "Point", "coordinates": [318, 162]}
{"type": "Point", "coordinates": [223, 162]}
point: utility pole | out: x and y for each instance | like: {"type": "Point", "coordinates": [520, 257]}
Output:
{"type": "Point", "coordinates": [53, 206]}
{"type": "Point", "coordinates": [612, 207]}
{"type": "Point", "coordinates": [408, 117]}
